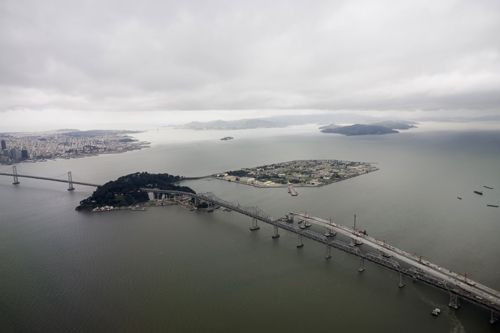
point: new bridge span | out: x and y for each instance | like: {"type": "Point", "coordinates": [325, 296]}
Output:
{"type": "Point", "coordinates": [358, 243]}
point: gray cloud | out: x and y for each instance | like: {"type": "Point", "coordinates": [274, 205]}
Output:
{"type": "Point", "coordinates": [195, 55]}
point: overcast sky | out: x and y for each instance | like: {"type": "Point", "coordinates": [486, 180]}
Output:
{"type": "Point", "coordinates": [437, 55]}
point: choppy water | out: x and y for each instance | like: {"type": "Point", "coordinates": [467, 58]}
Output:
{"type": "Point", "coordinates": [168, 269]}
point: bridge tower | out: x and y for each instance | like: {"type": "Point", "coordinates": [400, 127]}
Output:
{"type": "Point", "coordinates": [276, 233]}
{"type": "Point", "coordinates": [14, 173]}
{"type": "Point", "coordinates": [70, 182]}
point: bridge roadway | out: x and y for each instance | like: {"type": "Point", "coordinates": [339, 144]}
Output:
{"type": "Point", "coordinates": [49, 179]}
{"type": "Point", "coordinates": [384, 254]}
{"type": "Point", "coordinates": [473, 288]}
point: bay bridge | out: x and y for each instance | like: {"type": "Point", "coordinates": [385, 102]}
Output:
{"type": "Point", "coordinates": [336, 236]}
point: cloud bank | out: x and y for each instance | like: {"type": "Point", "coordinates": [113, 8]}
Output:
{"type": "Point", "coordinates": [236, 55]}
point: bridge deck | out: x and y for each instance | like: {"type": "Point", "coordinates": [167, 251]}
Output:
{"type": "Point", "coordinates": [49, 179]}
{"type": "Point", "coordinates": [441, 273]}
{"type": "Point", "coordinates": [422, 270]}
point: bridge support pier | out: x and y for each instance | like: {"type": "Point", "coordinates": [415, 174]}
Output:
{"type": "Point", "coordinates": [401, 282]}
{"type": "Point", "coordinates": [454, 301]}
{"type": "Point", "coordinates": [70, 182]}
{"type": "Point", "coordinates": [14, 172]}
{"type": "Point", "coordinates": [300, 244]}
{"type": "Point", "coordinates": [254, 225]}
{"type": "Point", "coordinates": [493, 317]}
{"type": "Point", "coordinates": [328, 252]}
{"type": "Point", "coordinates": [276, 233]}
{"type": "Point", "coordinates": [361, 268]}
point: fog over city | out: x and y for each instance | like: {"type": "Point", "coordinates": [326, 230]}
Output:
{"type": "Point", "coordinates": [168, 62]}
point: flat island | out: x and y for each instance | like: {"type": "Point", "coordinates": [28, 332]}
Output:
{"type": "Point", "coordinates": [298, 172]}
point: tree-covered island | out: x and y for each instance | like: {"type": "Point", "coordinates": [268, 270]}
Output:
{"type": "Point", "coordinates": [126, 190]}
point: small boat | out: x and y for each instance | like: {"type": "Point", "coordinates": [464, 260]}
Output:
{"type": "Point", "coordinates": [488, 187]}
{"type": "Point", "coordinates": [307, 224]}
{"type": "Point", "coordinates": [292, 191]}
{"type": "Point", "coordinates": [459, 198]}
{"type": "Point", "coordinates": [478, 192]}
{"type": "Point", "coordinates": [436, 312]}
{"type": "Point", "coordinates": [490, 205]}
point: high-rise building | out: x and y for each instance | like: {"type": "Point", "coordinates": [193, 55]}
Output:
{"type": "Point", "coordinates": [24, 154]}
{"type": "Point", "coordinates": [4, 145]}
{"type": "Point", "coordinates": [15, 154]}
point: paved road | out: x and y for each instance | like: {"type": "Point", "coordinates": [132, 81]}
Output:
{"type": "Point", "coordinates": [478, 290]}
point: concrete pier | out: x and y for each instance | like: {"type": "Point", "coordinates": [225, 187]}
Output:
{"type": "Point", "coordinates": [401, 282]}
{"type": "Point", "coordinates": [300, 244]}
{"type": "Point", "coordinates": [254, 226]}
{"type": "Point", "coordinates": [361, 268]}
{"type": "Point", "coordinates": [328, 252]}
{"type": "Point", "coordinates": [276, 234]}
{"type": "Point", "coordinates": [454, 301]}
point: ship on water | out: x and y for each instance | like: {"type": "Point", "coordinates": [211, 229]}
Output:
{"type": "Point", "coordinates": [293, 192]}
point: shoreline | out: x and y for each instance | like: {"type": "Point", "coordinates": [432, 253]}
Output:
{"type": "Point", "coordinates": [139, 147]}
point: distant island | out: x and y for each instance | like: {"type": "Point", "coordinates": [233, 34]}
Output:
{"type": "Point", "coordinates": [126, 190]}
{"type": "Point", "coordinates": [363, 125]}
{"type": "Point", "coordinates": [275, 121]}
{"type": "Point", "coordinates": [380, 128]}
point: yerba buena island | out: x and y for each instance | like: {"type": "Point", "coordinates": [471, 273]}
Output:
{"type": "Point", "coordinates": [127, 191]}
{"type": "Point", "coordinates": [299, 173]}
